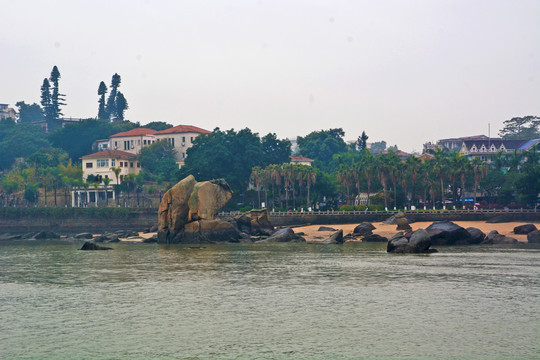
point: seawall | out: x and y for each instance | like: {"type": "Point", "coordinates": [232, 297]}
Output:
{"type": "Point", "coordinates": [141, 219]}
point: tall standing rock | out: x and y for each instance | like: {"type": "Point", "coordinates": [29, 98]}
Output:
{"type": "Point", "coordinates": [174, 210]}
{"type": "Point", "coordinates": [207, 198]}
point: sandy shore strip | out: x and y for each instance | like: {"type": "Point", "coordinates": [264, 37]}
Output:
{"type": "Point", "coordinates": [312, 234]}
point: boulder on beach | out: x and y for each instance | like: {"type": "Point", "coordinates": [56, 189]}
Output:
{"type": "Point", "coordinates": [374, 238]}
{"type": "Point", "coordinates": [255, 222]}
{"type": "Point", "coordinates": [173, 210]}
{"type": "Point", "coordinates": [494, 238]}
{"type": "Point", "coordinates": [534, 237]}
{"type": "Point", "coordinates": [85, 235]}
{"type": "Point", "coordinates": [207, 232]}
{"type": "Point", "coordinates": [282, 235]}
{"type": "Point", "coordinates": [419, 242]}
{"type": "Point", "coordinates": [448, 233]}
{"type": "Point", "coordinates": [336, 238]}
{"type": "Point", "coordinates": [499, 219]}
{"type": "Point", "coordinates": [524, 229]}
{"type": "Point", "coordinates": [45, 234]}
{"type": "Point", "coordinates": [92, 246]}
{"type": "Point", "coordinates": [477, 236]}
{"type": "Point", "coordinates": [364, 229]}
{"type": "Point", "coordinates": [402, 222]}
{"type": "Point", "coordinates": [326, 228]}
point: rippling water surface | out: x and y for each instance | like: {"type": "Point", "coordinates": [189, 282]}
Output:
{"type": "Point", "coordinates": [143, 301]}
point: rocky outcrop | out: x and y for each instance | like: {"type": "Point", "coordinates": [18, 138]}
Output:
{"type": "Point", "coordinates": [92, 246]}
{"type": "Point", "coordinates": [534, 237]}
{"type": "Point", "coordinates": [477, 235]}
{"type": "Point", "coordinates": [494, 238]}
{"type": "Point", "coordinates": [524, 229]}
{"type": "Point", "coordinates": [282, 235]}
{"type": "Point", "coordinates": [255, 222]}
{"type": "Point", "coordinates": [419, 242]}
{"type": "Point", "coordinates": [448, 233]}
{"type": "Point", "coordinates": [187, 213]}
{"type": "Point", "coordinates": [336, 238]}
{"type": "Point", "coordinates": [364, 229]}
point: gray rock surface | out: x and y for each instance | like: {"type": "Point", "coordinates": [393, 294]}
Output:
{"type": "Point", "coordinates": [524, 229]}
{"type": "Point", "coordinates": [448, 233]}
{"type": "Point", "coordinates": [534, 237]}
{"type": "Point", "coordinates": [419, 242]}
{"type": "Point", "coordinates": [336, 238]}
{"type": "Point", "coordinates": [364, 229]}
{"type": "Point", "coordinates": [92, 246]}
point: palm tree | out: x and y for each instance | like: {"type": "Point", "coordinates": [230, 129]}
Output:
{"type": "Point", "coordinates": [479, 171]}
{"type": "Point", "coordinates": [463, 170]}
{"type": "Point", "coordinates": [412, 164]}
{"type": "Point", "coordinates": [106, 182]}
{"type": "Point", "coordinates": [256, 177]}
{"type": "Point", "coordinates": [384, 169]}
{"type": "Point", "coordinates": [368, 167]}
{"type": "Point", "coordinates": [344, 177]}
{"type": "Point", "coordinates": [116, 171]}
{"type": "Point", "coordinates": [311, 178]}
{"type": "Point", "coordinates": [440, 168]}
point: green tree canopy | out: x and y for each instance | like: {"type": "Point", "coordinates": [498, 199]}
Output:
{"type": "Point", "coordinates": [158, 161]}
{"type": "Point", "coordinates": [322, 145]}
{"type": "Point", "coordinates": [77, 138]}
{"type": "Point", "coordinates": [527, 127]}
{"type": "Point", "coordinates": [19, 140]}
{"type": "Point", "coordinates": [158, 125]}
{"type": "Point", "coordinates": [231, 155]}
{"type": "Point", "coordinates": [29, 113]}
{"type": "Point", "coordinates": [277, 151]}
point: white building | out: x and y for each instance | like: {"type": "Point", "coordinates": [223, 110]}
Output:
{"type": "Point", "coordinates": [181, 137]}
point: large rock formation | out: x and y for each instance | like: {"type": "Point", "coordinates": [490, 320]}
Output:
{"type": "Point", "coordinates": [364, 229]}
{"type": "Point", "coordinates": [255, 222]}
{"type": "Point", "coordinates": [495, 238]}
{"type": "Point", "coordinates": [534, 237]}
{"type": "Point", "coordinates": [402, 222]}
{"type": "Point", "coordinates": [187, 213]}
{"type": "Point", "coordinates": [448, 233]}
{"type": "Point", "coordinates": [282, 235]}
{"type": "Point", "coordinates": [419, 242]}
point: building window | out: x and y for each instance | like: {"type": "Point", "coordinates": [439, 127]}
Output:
{"type": "Point", "coordinates": [138, 164]}
{"type": "Point", "coordinates": [121, 164]}
{"type": "Point", "coordinates": [89, 165]}
{"type": "Point", "coordinates": [131, 164]}
{"type": "Point", "coordinates": [139, 142]}
{"type": "Point", "coordinates": [113, 162]}
{"type": "Point", "coordinates": [116, 145]}
{"type": "Point", "coordinates": [126, 145]}
{"type": "Point", "coordinates": [144, 142]}
{"type": "Point", "coordinates": [103, 163]}
{"type": "Point", "coordinates": [183, 139]}
{"type": "Point", "coordinates": [183, 155]}
{"type": "Point", "coordinates": [192, 139]}
{"type": "Point", "coordinates": [172, 141]}
{"type": "Point", "coordinates": [131, 143]}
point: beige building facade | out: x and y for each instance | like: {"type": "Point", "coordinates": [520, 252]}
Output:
{"type": "Point", "coordinates": [181, 137]}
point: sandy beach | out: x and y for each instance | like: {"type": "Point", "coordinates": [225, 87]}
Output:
{"type": "Point", "coordinates": [312, 234]}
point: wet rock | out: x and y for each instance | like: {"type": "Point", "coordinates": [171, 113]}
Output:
{"type": "Point", "coordinates": [46, 235]}
{"type": "Point", "coordinates": [281, 235]}
{"type": "Point", "coordinates": [336, 238]}
{"type": "Point", "coordinates": [364, 229]}
{"type": "Point", "coordinates": [85, 235]}
{"type": "Point", "coordinates": [534, 237]}
{"type": "Point", "coordinates": [374, 238]}
{"type": "Point", "coordinates": [7, 237]}
{"type": "Point", "coordinates": [151, 240]}
{"type": "Point", "coordinates": [477, 236]}
{"type": "Point", "coordinates": [524, 229]}
{"type": "Point", "coordinates": [255, 222]}
{"type": "Point", "coordinates": [92, 246]}
{"type": "Point", "coordinates": [448, 233]}
{"type": "Point", "coordinates": [494, 238]}
{"type": "Point", "coordinates": [326, 228]}
{"type": "Point", "coordinates": [419, 242]}
{"type": "Point", "coordinates": [126, 233]}
{"type": "Point", "coordinates": [206, 232]}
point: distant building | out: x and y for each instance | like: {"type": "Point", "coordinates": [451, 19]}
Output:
{"type": "Point", "coordinates": [100, 164]}
{"type": "Point", "coordinates": [7, 112]}
{"type": "Point", "coordinates": [181, 137]}
{"type": "Point", "coordinates": [483, 149]}
{"type": "Point", "coordinates": [452, 143]}
{"type": "Point", "coordinates": [401, 154]}
{"type": "Point", "coordinates": [132, 141]}
{"type": "Point", "coordinates": [300, 160]}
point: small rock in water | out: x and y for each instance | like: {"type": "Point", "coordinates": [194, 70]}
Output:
{"type": "Point", "coordinates": [92, 246]}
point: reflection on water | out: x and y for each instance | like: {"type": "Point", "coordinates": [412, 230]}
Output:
{"type": "Point", "coordinates": [282, 301]}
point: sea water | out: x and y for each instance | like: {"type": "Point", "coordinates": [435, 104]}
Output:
{"type": "Point", "coordinates": [271, 301]}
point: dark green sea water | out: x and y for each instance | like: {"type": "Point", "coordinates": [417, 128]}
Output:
{"type": "Point", "coordinates": [143, 301]}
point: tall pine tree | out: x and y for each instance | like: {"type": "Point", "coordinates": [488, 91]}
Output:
{"type": "Point", "coordinates": [111, 101]}
{"type": "Point", "coordinates": [46, 101]}
{"type": "Point", "coordinates": [102, 111]}
{"type": "Point", "coordinates": [121, 106]}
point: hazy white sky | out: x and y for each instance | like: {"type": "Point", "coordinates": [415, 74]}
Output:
{"type": "Point", "coordinates": [405, 72]}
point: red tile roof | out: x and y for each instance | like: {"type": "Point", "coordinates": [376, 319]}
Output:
{"type": "Point", "coordinates": [135, 132]}
{"type": "Point", "coordinates": [110, 154]}
{"type": "Point", "coordinates": [184, 129]}
{"type": "Point", "coordinates": [300, 158]}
